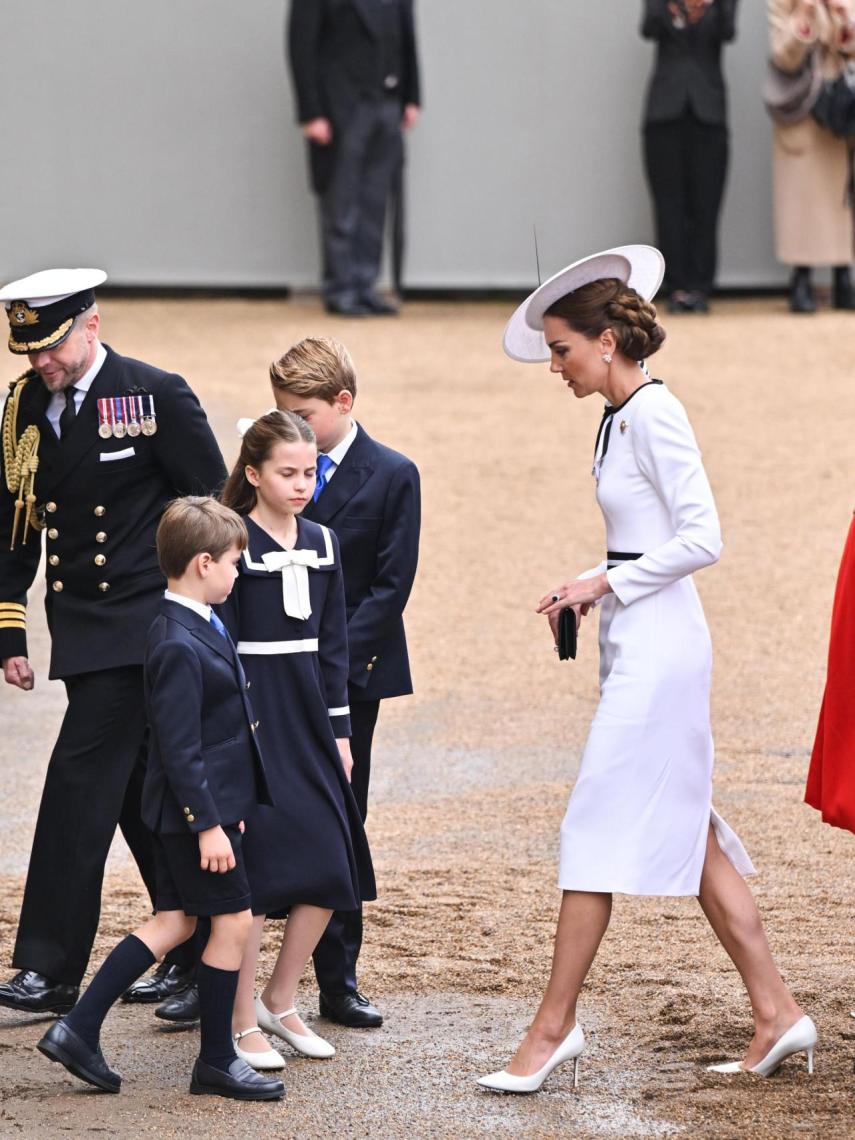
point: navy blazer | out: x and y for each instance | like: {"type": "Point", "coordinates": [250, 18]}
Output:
{"type": "Point", "coordinates": [204, 763]}
{"type": "Point", "coordinates": [373, 504]}
{"type": "Point", "coordinates": [687, 74]}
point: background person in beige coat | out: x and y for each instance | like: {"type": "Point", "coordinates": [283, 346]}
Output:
{"type": "Point", "coordinates": [812, 200]}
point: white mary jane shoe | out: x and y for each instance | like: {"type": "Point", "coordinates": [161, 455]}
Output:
{"type": "Point", "coordinates": [799, 1038]}
{"type": "Point", "coordinates": [570, 1049]}
{"type": "Point", "coordinates": [309, 1043]}
{"type": "Point", "coordinates": [268, 1060]}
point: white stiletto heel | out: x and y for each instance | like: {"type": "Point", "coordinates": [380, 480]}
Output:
{"type": "Point", "coordinates": [799, 1038]}
{"type": "Point", "coordinates": [309, 1043]}
{"type": "Point", "coordinates": [570, 1049]}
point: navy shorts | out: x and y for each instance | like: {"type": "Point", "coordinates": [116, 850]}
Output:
{"type": "Point", "coordinates": [181, 884]}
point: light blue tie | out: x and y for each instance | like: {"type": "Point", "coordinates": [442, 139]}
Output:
{"type": "Point", "coordinates": [218, 626]}
{"type": "Point", "coordinates": [323, 465]}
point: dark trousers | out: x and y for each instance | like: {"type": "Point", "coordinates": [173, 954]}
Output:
{"type": "Point", "coordinates": [94, 781]}
{"type": "Point", "coordinates": [368, 151]}
{"type": "Point", "coordinates": [686, 165]}
{"type": "Point", "coordinates": [336, 954]}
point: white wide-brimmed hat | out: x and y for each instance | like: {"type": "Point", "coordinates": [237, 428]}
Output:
{"type": "Point", "coordinates": [642, 267]}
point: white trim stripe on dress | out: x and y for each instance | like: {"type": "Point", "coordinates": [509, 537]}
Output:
{"type": "Point", "coordinates": [343, 711]}
{"type": "Point", "coordinates": [326, 559]}
{"type": "Point", "coordinates": [274, 648]}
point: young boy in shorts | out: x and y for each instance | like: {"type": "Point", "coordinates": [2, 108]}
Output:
{"type": "Point", "coordinates": [369, 495]}
{"type": "Point", "coordinates": [205, 771]}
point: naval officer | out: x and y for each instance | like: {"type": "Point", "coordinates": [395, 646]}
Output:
{"type": "Point", "coordinates": [94, 445]}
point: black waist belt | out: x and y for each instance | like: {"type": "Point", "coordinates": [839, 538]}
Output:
{"type": "Point", "coordinates": [621, 556]}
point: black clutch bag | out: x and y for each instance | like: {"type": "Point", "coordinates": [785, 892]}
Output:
{"type": "Point", "coordinates": [567, 634]}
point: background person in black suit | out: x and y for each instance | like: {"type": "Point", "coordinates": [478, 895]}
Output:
{"type": "Point", "coordinates": [369, 495]}
{"type": "Point", "coordinates": [115, 440]}
{"type": "Point", "coordinates": [686, 140]}
{"type": "Point", "coordinates": [356, 79]}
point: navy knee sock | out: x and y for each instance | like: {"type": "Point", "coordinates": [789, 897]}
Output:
{"type": "Point", "coordinates": [217, 990]}
{"type": "Point", "coordinates": [121, 968]}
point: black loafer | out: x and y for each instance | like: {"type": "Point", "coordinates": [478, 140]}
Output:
{"type": "Point", "coordinates": [352, 1009]}
{"type": "Point", "coordinates": [34, 993]}
{"type": "Point", "coordinates": [241, 1082]}
{"type": "Point", "coordinates": [165, 982]}
{"type": "Point", "coordinates": [62, 1044]}
{"type": "Point", "coordinates": [182, 1007]}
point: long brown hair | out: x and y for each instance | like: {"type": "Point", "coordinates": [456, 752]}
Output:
{"type": "Point", "coordinates": [258, 442]}
{"type": "Point", "coordinates": [610, 304]}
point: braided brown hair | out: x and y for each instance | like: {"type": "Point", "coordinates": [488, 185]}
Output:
{"type": "Point", "coordinates": [610, 304]}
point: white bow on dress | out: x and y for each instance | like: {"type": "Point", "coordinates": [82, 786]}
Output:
{"type": "Point", "coordinates": [294, 565]}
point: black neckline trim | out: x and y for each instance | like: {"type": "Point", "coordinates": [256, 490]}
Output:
{"type": "Point", "coordinates": [612, 408]}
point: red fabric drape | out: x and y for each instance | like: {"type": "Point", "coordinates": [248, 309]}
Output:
{"type": "Point", "coordinates": [831, 777]}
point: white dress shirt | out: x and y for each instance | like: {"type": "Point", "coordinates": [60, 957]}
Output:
{"type": "Point", "coordinates": [338, 453]}
{"type": "Point", "coordinates": [197, 607]}
{"type": "Point", "coordinates": [57, 403]}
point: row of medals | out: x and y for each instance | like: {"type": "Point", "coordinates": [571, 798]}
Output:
{"type": "Point", "coordinates": [134, 418]}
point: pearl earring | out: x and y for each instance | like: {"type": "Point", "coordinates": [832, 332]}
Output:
{"type": "Point", "coordinates": [607, 358]}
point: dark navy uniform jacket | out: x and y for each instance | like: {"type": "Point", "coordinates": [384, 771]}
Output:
{"type": "Point", "coordinates": [204, 763]}
{"type": "Point", "coordinates": [373, 504]}
{"type": "Point", "coordinates": [101, 501]}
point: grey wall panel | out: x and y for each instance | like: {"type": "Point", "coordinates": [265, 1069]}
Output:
{"type": "Point", "coordinates": [158, 139]}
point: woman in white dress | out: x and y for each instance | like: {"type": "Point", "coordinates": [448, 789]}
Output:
{"type": "Point", "coordinates": [640, 820]}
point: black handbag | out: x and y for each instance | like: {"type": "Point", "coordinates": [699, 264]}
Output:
{"type": "Point", "coordinates": [834, 108]}
{"type": "Point", "coordinates": [566, 634]}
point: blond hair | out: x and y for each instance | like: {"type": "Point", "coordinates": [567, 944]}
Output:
{"type": "Point", "coordinates": [196, 524]}
{"type": "Point", "coordinates": [317, 367]}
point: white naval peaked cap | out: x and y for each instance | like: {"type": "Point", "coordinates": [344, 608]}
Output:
{"type": "Point", "coordinates": [642, 267]}
{"type": "Point", "coordinates": [42, 307]}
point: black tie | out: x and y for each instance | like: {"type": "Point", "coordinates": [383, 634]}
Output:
{"type": "Point", "coordinates": [69, 413]}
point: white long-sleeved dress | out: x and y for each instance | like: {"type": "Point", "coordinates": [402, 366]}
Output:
{"type": "Point", "coordinates": [639, 815]}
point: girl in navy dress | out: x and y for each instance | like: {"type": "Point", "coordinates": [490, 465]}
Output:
{"type": "Point", "coordinates": [308, 856]}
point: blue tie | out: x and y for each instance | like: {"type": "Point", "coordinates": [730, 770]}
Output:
{"type": "Point", "coordinates": [324, 464]}
{"type": "Point", "coordinates": [218, 626]}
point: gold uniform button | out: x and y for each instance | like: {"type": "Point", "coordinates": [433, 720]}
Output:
{"type": "Point", "coordinates": [373, 659]}
{"type": "Point", "coordinates": [53, 532]}
{"type": "Point", "coordinates": [56, 587]}
{"type": "Point", "coordinates": [50, 508]}
{"type": "Point", "coordinates": [100, 559]}
{"type": "Point", "coordinates": [100, 536]}
{"type": "Point", "coordinates": [99, 511]}
{"type": "Point", "coordinates": [187, 811]}
{"type": "Point", "coordinates": [369, 666]}
{"type": "Point", "coordinates": [103, 587]}
{"type": "Point", "coordinates": [191, 818]}
{"type": "Point", "coordinates": [54, 560]}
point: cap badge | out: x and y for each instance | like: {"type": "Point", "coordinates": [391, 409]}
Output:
{"type": "Point", "coordinates": [21, 314]}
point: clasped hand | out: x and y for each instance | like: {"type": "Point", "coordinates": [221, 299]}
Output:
{"type": "Point", "coordinates": [578, 595]}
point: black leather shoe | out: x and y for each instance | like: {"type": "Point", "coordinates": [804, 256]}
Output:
{"type": "Point", "coordinates": [182, 1007]}
{"type": "Point", "coordinates": [34, 993]}
{"type": "Point", "coordinates": [801, 291]}
{"type": "Point", "coordinates": [241, 1082]}
{"type": "Point", "coordinates": [165, 982]}
{"type": "Point", "coordinates": [351, 1009]}
{"type": "Point", "coordinates": [347, 309]}
{"type": "Point", "coordinates": [62, 1044]}
{"type": "Point", "coordinates": [378, 305]}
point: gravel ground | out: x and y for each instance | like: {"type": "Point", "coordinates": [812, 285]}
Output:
{"type": "Point", "coordinates": [472, 773]}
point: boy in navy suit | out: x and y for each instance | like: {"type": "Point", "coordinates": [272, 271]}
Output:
{"type": "Point", "coordinates": [204, 772]}
{"type": "Point", "coordinates": [369, 495]}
